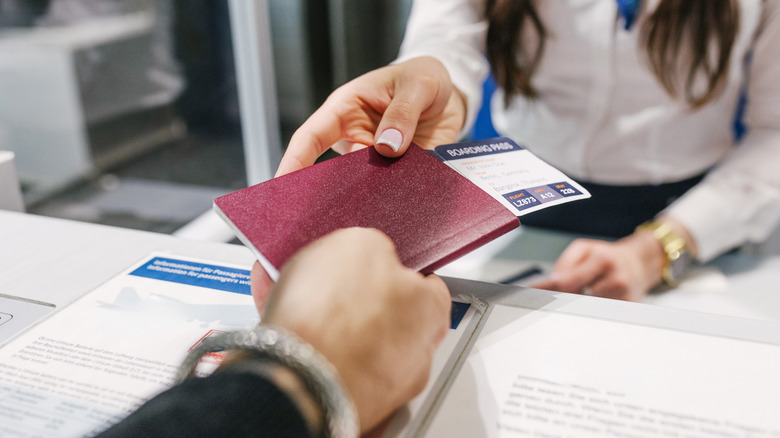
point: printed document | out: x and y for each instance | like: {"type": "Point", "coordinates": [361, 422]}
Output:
{"type": "Point", "coordinates": [95, 361]}
{"type": "Point", "coordinates": [540, 373]}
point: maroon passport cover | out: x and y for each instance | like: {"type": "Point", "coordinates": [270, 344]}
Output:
{"type": "Point", "coordinates": [432, 213]}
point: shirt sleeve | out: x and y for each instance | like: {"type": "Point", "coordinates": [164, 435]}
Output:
{"type": "Point", "coordinates": [739, 200]}
{"type": "Point", "coordinates": [454, 32]}
{"type": "Point", "coordinates": [230, 403]}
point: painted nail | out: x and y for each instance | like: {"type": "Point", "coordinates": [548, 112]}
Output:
{"type": "Point", "coordinates": [391, 137]}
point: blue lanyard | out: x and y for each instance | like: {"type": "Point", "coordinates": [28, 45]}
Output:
{"type": "Point", "coordinates": [628, 10]}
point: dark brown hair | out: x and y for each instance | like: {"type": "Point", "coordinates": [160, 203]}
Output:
{"type": "Point", "coordinates": [683, 40]}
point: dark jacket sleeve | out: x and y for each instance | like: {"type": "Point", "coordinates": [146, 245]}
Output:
{"type": "Point", "coordinates": [235, 404]}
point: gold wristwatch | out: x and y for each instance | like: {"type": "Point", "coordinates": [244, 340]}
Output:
{"type": "Point", "coordinates": [677, 255]}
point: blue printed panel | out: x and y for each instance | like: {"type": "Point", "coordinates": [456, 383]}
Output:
{"type": "Point", "coordinates": [545, 194]}
{"type": "Point", "coordinates": [477, 148]}
{"type": "Point", "coordinates": [457, 313]}
{"type": "Point", "coordinates": [521, 199]}
{"type": "Point", "coordinates": [196, 274]}
{"type": "Point", "coordinates": [534, 196]}
{"type": "Point", "coordinates": [565, 189]}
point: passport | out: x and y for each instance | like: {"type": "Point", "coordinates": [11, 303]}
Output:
{"type": "Point", "coordinates": [432, 213]}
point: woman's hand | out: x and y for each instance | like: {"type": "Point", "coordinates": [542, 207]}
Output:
{"type": "Point", "coordinates": [389, 107]}
{"type": "Point", "coordinates": [377, 321]}
{"type": "Point", "coordinates": [626, 269]}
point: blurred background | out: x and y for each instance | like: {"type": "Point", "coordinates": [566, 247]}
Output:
{"type": "Point", "coordinates": [129, 112]}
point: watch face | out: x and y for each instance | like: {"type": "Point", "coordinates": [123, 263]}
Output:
{"type": "Point", "coordinates": [679, 266]}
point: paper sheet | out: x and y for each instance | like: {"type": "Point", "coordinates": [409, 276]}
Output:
{"type": "Point", "coordinates": [511, 174]}
{"type": "Point", "coordinates": [96, 360]}
{"type": "Point", "coordinates": [544, 373]}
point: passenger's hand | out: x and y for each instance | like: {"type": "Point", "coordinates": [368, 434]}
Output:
{"type": "Point", "coordinates": [389, 107]}
{"type": "Point", "coordinates": [377, 321]}
{"type": "Point", "coordinates": [626, 269]}
{"type": "Point", "coordinates": [260, 284]}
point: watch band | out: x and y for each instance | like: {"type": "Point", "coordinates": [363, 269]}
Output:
{"type": "Point", "coordinates": [286, 348]}
{"type": "Point", "coordinates": [674, 247]}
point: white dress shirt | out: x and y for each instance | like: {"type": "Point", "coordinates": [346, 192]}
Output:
{"type": "Point", "coordinates": [603, 117]}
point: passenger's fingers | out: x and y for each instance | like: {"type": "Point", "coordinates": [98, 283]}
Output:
{"type": "Point", "coordinates": [260, 284]}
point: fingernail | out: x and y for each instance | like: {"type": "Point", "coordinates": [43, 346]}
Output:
{"type": "Point", "coordinates": [391, 137]}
